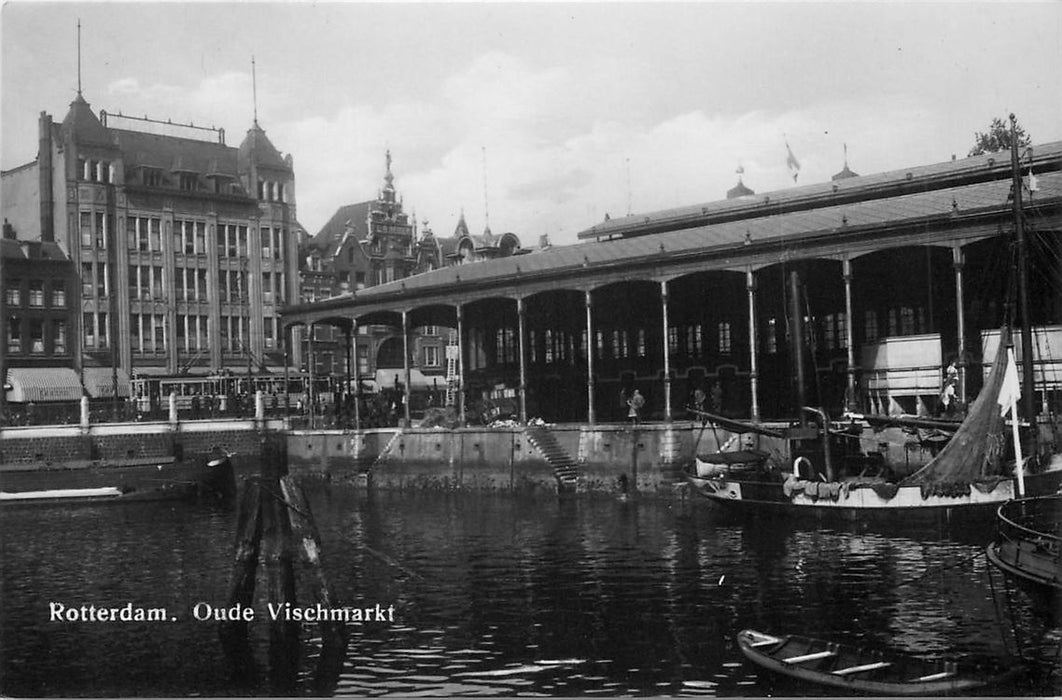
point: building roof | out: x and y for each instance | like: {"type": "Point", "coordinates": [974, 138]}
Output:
{"type": "Point", "coordinates": [787, 229]}
{"type": "Point", "coordinates": [859, 188]}
{"type": "Point", "coordinates": [176, 153]}
{"type": "Point", "coordinates": [84, 126]}
{"type": "Point", "coordinates": [264, 153]}
{"type": "Point", "coordinates": [353, 215]}
{"type": "Point", "coordinates": [11, 249]}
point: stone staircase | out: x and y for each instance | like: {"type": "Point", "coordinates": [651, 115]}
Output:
{"type": "Point", "coordinates": [564, 467]}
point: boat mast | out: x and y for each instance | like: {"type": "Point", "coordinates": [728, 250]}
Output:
{"type": "Point", "coordinates": [1027, 388]}
{"type": "Point", "coordinates": [797, 341]}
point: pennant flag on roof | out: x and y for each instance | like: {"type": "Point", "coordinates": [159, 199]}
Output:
{"type": "Point", "coordinates": [791, 162]}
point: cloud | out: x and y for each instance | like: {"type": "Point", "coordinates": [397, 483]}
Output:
{"type": "Point", "coordinates": [552, 149]}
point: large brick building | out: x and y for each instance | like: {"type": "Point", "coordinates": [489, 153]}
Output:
{"type": "Point", "coordinates": [185, 247]}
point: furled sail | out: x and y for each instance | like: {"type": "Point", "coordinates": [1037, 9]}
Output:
{"type": "Point", "coordinates": [976, 450]}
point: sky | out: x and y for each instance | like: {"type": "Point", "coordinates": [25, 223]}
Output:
{"type": "Point", "coordinates": [543, 117]}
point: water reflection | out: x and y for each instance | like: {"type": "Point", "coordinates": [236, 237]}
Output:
{"type": "Point", "coordinates": [498, 596]}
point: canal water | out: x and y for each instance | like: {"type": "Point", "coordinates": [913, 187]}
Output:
{"type": "Point", "coordinates": [500, 595]}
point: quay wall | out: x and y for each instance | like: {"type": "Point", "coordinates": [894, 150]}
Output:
{"type": "Point", "coordinates": [611, 458]}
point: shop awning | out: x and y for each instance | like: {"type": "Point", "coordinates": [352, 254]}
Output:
{"type": "Point", "coordinates": [99, 382]}
{"type": "Point", "coordinates": [43, 384]}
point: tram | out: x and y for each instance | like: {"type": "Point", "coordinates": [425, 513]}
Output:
{"type": "Point", "coordinates": [217, 393]}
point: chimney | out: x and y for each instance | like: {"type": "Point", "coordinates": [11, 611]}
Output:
{"type": "Point", "coordinates": [44, 174]}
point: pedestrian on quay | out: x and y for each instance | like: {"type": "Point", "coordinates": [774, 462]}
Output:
{"type": "Point", "coordinates": [635, 404]}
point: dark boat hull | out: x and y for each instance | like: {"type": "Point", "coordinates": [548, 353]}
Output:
{"type": "Point", "coordinates": [118, 481]}
{"type": "Point", "coordinates": [856, 670]}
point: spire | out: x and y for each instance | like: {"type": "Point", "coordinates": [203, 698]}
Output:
{"type": "Point", "coordinates": [845, 173]}
{"type": "Point", "coordinates": [739, 190]}
{"type": "Point", "coordinates": [486, 208]}
{"type": "Point", "coordinates": [79, 57]}
{"type": "Point", "coordinates": [389, 178]}
{"type": "Point", "coordinates": [254, 90]}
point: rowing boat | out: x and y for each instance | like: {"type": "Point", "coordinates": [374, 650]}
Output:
{"type": "Point", "coordinates": [858, 670]}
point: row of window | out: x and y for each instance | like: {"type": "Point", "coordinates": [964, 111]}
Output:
{"type": "Point", "coordinates": [271, 191]}
{"type": "Point", "coordinates": [30, 336]}
{"type": "Point", "coordinates": [144, 234]}
{"type": "Point", "coordinates": [56, 297]}
{"type": "Point", "coordinates": [90, 170]}
{"type": "Point", "coordinates": [150, 333]}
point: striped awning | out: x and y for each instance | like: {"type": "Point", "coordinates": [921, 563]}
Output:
{"type": "Point", "coordinates": [42, 384]}
{"type": "Point", "coordinates": [99, 382]}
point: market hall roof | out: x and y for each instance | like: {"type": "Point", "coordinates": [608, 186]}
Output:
{"type": "Point", "coordinates": [975, 202]}
{"type": "Point", "coordinates": [989, 166]}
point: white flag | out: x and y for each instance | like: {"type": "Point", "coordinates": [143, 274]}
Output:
{"type": "Point", "coordinates": [1010, 389]}
{"type": "Point", "coordinates": [791, 162]}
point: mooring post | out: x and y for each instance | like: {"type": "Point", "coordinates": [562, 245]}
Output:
{"type": "Point", "coordinates": [280, 588]}
{"type": "Point", "coordinates": [308, 546]}
{"type": "Point", "coordinates": [234, 639]}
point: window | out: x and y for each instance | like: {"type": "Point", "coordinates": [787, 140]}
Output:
{"type": "Point", "coordinates": [101, 280]}
{"type": "Point", "coordinates": [152, 177]}
{"type": "Point", "coordinates": [200, 237]}
{"type": "Point", "coordinates": [894, 327]}
{"type": "Point", "coordinates": [842, 330]}
{"type": "Point", "coordinates": [155, 234]}
{"type": "Point", "coordinates": [270, 332]}
{"type": "Point", "coordinates": [829, 338]}
{"type": "Point", "coordinates": [58, 294]}
{"type": "Point", "coordinates": [88, 275]}
{"type": "Point", "coordinates": [430, 330]}
{"type": "Point", "coordinates": [101, 231]}
{"type": "Point", "coordinates": [159, 333]}
{"type": "Point", "coordinates": [136, 338]}
{"type": "Point", "coordinates": [36, 333]}
{"type": "Point", "coordinates": [870, 326]}
{"type": "Point", "coordinates": [14, 335]}
{"type": "Point", "coordinates": [726, 343]}
{"type": "Point", "coordinates": [241, 241]}
{"type": "Point", "coordinates": [86, 229]}
{"type": "Point", "coordinates": [672, 340]}
{"type": "Point", "coordinates": [59, 338]}
{"type": "Point", "coordinates": [103, 333]}
{"type": "Point", "coordinates": [600, 344]}
{"type": "Point", "coordinates": [694, 340]}
{"type": "Point", "coordinates": [771, 336]}
{"type": "Point", "coordinates": [88, 322]}
{"type": "Point", "coordinates": [14, 292]}
{"type": "Point", "coordinates": [182, 332]}
{"type": "Point", "coordinates": [431, 356]}
{"type": "Point", "coordinates": [36, 293]}
{"type": "Point", "coordinates": [189, 182]}
{"type": "Point", "coordinates": [267, 287]}
{"type": "Point", "coordinates": [907, 320]}
{"type": "Point", "coordinates": [641, 343]}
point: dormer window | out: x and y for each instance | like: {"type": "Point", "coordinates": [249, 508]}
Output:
{"type": "Point", "coordinates": [152, 177]}
{"type": "Point", "coordinates": [189, 182]}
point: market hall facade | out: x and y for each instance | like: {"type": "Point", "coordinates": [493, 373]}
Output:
{"type": "Point", "coordinates": [897, 274]}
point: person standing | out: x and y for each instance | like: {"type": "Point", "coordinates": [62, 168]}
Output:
{"type": "Point", "coordinates": [635, 404]}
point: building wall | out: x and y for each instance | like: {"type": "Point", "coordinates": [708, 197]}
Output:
{"type": "Point", "coordinates": [20, 197]}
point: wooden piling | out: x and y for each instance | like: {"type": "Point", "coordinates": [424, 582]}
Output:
{"type": "Point", "coordinates": [234, 639]}
{"type": "Point", "coordinates": [280, 586]}
{"type": "Point", "coordinates": [308, 545]}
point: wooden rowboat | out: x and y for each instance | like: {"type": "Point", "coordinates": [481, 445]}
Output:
{"type": "Point", "coordinates": [858, 670]}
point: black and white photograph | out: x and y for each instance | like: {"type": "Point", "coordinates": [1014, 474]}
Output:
{"type": "Point", "coordinates": [530, 349]}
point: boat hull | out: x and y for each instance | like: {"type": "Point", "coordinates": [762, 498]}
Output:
{"type": "Point", "coordinates": [117, 481]}
{"type": "Point", "coordinates": [857, 670]}
{"type": "Point", "coordinates": [863, 502]}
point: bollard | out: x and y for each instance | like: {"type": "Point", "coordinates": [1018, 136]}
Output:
{"type": "Point", "coordinates": [84, 414]}
{"type": "Point", "coordinates": [173, 409]}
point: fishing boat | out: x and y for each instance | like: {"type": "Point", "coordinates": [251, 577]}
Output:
{"type": "Point", "coordinates": [859, 670]}
{"type": "Point", "coordinates": [1028, 548]}
{"type": "Point", "coordinates": [829, 478]}
{"type": "Point", "coordinates": [116, 481]}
